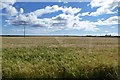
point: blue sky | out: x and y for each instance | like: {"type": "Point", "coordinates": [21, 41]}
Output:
{"type": "Point", "coordinates": [60, 18]}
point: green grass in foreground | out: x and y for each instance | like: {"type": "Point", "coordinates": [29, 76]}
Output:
{"type": "Point", "coordinates": [60, 60]}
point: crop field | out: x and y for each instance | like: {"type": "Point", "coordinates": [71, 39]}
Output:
{"type": "Point", "coordinates": [88, 58]}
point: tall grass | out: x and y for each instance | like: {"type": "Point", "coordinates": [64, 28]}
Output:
{"type": "Point", "coordinates": [54, 60]}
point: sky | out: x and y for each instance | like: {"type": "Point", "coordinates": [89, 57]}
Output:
{"type": "Point", "coordinates": [96, 17]}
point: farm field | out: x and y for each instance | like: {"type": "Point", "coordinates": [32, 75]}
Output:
{"type": "Point", "coordinates": [90, 58]}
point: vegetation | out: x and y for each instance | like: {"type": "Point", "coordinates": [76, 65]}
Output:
{"type": "Point", "coordinates": [90, 58]}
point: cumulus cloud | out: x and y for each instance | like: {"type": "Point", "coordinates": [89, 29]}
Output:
{"type": "Point", "coordinates": [86, 25]}
{"type": "Point", "coordinates": [46, 10]}
{"type": "Point", "coordinates": [103, 7]}
{"type": "Point", "coordinates": [21, 10]}
{"type": "Point", "coordinates": [55, 8]}
{"type": "Point", "coordinates": [69, 19]}
{"type": "Point", "coordinates": [23, 20]}
{"type": "Point", "coordinates": [3, 5]}
{"type": "Point", "coordinates": [110, 21]}
{"type": "Point", "coordinates": [74, 22]}
{"type": "Point", "coordinates": [6, 3]}
{"type": "Point", "coordinates": [71, 10]}
{"type": "Point", "coordinates": [31, 19]}
{"type": "Point", "coordinates": [11, 11]}
{"type": "Point", "coordinates": [84, 14]}
{"type": "Point", "coordinates": [61, 21]}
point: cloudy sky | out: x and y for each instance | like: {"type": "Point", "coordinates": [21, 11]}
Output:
{"type": "Point", "coordinates": [96, 17]}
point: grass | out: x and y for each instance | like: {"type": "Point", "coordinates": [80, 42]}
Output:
{"type": "Point", "coordinates": [90, 58]}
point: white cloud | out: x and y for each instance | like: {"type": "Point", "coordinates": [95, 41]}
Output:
{"type": "Point", "coordinates": [66, 20]}
{"type": "Point", "coordinates": [3, 5]}
{"type": "Point", "coordinates": [55, 8]}
{"type": "Point", "coordinates": [85, 13]}
{"type": "Point", "coordinates": [96, 3]}
{"type": "Point", "coordinates": [21, 10]}
{"type": "Point", "coordinates": [59, 22]}
{"type": "Point", "coordinates": [86, 25]}
{"type": "Point", "coordinates": [104, 7]}
{"type": "Point", "coordinates": [59, 0]}
{"type": "Point", "coordinates": [62, 21]}
{"type": "Point", "coordinates": [47, 9]}
{"type": "Point", "coordinates": [6, 3]}
{"type": "Point", "coordinates": [110, 21]}
{"type": "Point", "coordinates": [74, 22]}
{"type": "Point", "coordinates": [71, 10]}
{"type": "Point", "coordinates": [11, 11]}
{"type": "Point", "coordinates": [22, 19]}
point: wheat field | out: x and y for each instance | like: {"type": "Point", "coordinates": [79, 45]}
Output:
{"type": "Point", "coordinates": [90, 58]}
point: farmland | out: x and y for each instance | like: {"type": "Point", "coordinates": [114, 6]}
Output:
{"type": "Point", "coordinates": [60, 57]}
